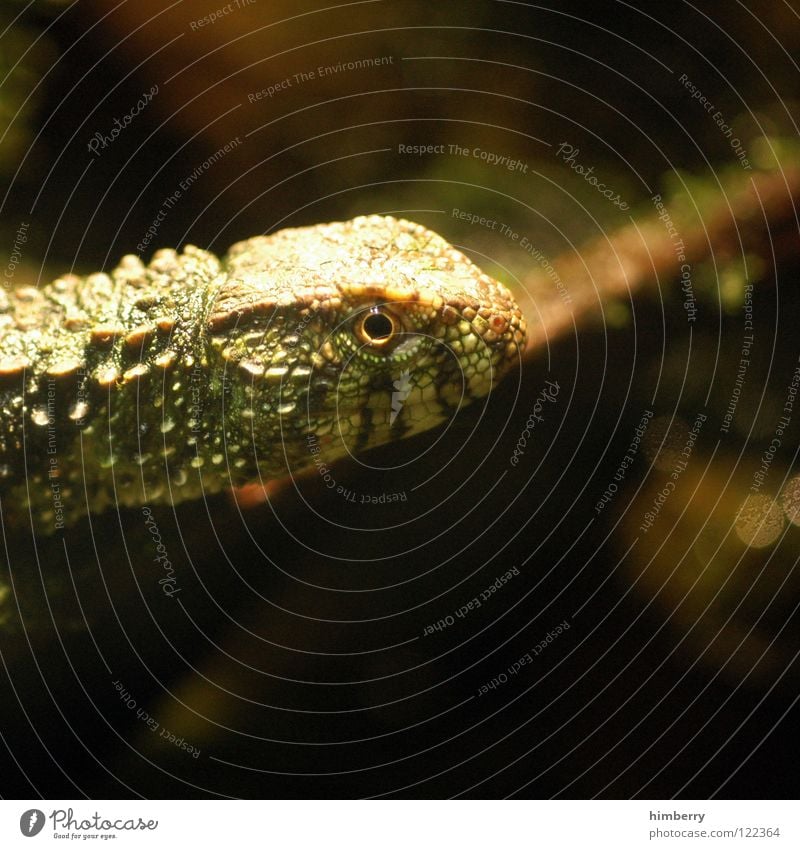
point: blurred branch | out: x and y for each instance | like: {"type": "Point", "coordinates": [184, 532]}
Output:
{"type": "Point", "coordinates": [743, 214]}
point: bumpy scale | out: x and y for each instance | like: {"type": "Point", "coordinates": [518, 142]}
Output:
{"type": "Point", "coordinates": [165, 382]}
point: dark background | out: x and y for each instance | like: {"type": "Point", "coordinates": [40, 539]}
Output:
{"type": "Point", "coordinates": [296, 660]}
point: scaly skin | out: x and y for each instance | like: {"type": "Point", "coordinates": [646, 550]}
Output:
{"type": "Point", "coordinates": [163, 383]}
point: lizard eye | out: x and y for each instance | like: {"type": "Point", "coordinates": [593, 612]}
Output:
{"type": "Point", "coordinates": [377, 328]}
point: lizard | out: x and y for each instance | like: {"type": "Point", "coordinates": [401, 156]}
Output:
{"type": "Point", "coordinates": [170, 381]}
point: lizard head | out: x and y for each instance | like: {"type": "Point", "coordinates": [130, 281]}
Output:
{"type": "Point", "coordinates": [357, 333]}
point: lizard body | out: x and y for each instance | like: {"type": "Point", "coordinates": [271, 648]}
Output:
{"type": "Point", "coordinates": [165, 382]}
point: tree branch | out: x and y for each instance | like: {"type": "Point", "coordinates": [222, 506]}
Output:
{"type": "Point", "coordinates": [742, 214]}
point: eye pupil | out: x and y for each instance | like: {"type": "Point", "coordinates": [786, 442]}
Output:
{"type": "Point", "coordinates": [378, 327]}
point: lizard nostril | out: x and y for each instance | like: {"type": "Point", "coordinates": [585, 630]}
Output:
{"type": "Point", "coordinates": [499, 324]}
